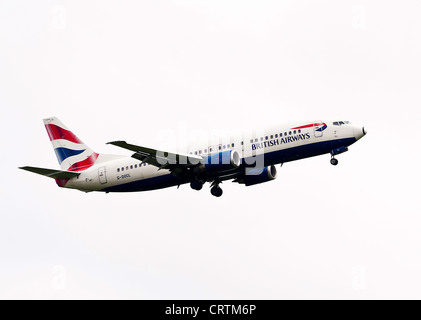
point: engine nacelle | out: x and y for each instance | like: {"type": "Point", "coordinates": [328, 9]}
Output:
{"type": "Point", "coordinates": [268, 174]}
{"type": "Point", "coordinates": [222, 161]}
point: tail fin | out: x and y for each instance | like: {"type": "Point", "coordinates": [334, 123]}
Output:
{"type": "Point", "coordinates": [71, 152]}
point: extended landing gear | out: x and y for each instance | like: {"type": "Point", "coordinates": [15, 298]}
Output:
{"type": "Point", "coordinates": [196, 185]}
{"type": "Point", "coordinates": [334, 161]}
{"type": "Point", "coordinates": [216, 191]}
{"type": "Point", "coordinates": [335, 152]}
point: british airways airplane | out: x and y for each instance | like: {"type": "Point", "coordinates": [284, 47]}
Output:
{"type": "Point", "coordinates": [246, 160]}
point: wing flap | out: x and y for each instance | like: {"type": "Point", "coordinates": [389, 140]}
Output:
{"type": "Point", "coordinates": [51, 173]}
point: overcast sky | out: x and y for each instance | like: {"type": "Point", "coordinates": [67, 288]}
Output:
{"type": "Point", "coordinates": [160, 73]}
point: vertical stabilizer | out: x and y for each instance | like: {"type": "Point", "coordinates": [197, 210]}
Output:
{"type": "Point", "coordinates": [71, 152]}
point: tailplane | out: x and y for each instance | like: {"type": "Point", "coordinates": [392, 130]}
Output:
{"type": "Point", "coordinates": [51, 173]}
{"type": "Point", "coordinates": [71, 152]}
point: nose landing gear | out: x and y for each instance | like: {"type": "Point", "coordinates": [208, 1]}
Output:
{"type": "Point", "coordinates": [335, 152]}
{"type": "Point", "coordinates": [334, 161]}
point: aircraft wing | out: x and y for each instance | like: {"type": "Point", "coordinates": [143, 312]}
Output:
{"type": "Point", "coordinates": [161, 159]}
{"type": "Point", "coordinates": [51, 173]}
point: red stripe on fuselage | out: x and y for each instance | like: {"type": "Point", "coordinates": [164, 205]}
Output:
{"type": "Point", "coordinates": [310, 125]}
{"type": "Point", "coordinates": [85, 164]}
{"type": "Point", "coordinates": [55, 132]}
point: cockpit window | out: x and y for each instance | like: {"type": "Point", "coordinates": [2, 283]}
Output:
{"type": "Point", "coordinates": [340, 123]}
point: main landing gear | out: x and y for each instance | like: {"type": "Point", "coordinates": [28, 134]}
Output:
{"type": "Point", "coordinates": [196, 185]}
{"type": "Point", "coordinates": [216, 191]}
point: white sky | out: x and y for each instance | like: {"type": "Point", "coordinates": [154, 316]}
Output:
{"type": "Point", "coordinates": [141, 70]}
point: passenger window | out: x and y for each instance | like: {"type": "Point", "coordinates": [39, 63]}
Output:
{"type": "Point", "coordinates": [118, 169]}
{"type": "Point", "coordinates": [280, 135]}
{"type": "Point", "coordinates": [299, 130]}
{"type": "Point", "coordinates": [220, 148]}
{"type": "Point", "coordinates": [285, 134]}
{"type": "Point", "coordinates": [266, 138]}
{"type": "Point", "coordinates": [242, 143]}
{"type": "Point", "coordinates": [122, 169]}
{"type": "Point", "coordinates": [271, 136]}
{"type": "Point", "coordinates": [205, 151]}
{"type": "Point", "coordinates": [256, 140]}
{"type": "Point", "coordinates": [131, 167]}
{"type": "Point", "coordinates": [290, 133]}
{"type": "Point", "coordinates": [223, 147]}
{"type": "Point", "coordinates": [251, 141]}
{"type": "Point", "coordinates": [210, 149]}
{"type": "Point", "coordinates": [276, 136]}
{"type": "Point", "coordinates": [195, 153]}
{"type": "Point", "coordinates": [261, 139]}
{"type": "Point", "coordinates": [135, 166]}
{"type": "Point", "coordinates": [295, 131]}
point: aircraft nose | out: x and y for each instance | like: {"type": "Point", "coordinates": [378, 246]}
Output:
{"type": "Point", "coordinates": [359, 132]}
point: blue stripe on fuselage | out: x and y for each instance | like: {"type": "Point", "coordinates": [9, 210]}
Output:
{"type": "Point", "coordinates": [305, 151]}
{"type": "Point", "coordinates": [154, 183]}
{"type": "Point", "coordinates": [279, 156]}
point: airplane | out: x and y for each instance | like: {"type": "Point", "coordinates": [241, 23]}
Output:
{"type": "Point", "coordinates": [247, 159]}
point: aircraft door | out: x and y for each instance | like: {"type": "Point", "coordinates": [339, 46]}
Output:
{"type": "Point", "coordinates": [102, 174]}
{"type": "Point", "coordinates": [318, 129]}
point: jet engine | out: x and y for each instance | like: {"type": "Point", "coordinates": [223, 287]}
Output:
{"type": "Point", "coordinates": [268, 174]}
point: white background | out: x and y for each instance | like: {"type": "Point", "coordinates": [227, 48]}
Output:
{"type": "Point", "coordinates": [144, 71]}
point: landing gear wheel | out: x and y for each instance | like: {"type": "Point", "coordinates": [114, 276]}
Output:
{"type": "Point", "coordinates": [334, 162]}
{"type": "Point", "coordinates": [196, 185]}
{"type": "Point", "coordinates": [216, 191]}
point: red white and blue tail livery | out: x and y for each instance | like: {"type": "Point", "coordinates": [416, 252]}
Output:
{"type": "Point", "coordinates": [71, 152]}
{"type": "Point", "coordinates": [247, 159]}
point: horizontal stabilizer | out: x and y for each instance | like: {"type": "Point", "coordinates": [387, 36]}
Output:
{"type": "Point", "coordinates": [51, 173]}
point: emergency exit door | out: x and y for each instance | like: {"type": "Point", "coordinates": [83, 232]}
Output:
{"type": "Point", "coordinates": [318, 129]}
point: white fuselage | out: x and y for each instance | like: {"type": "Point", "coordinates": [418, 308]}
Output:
{"type": "Point", "coordinates": [260, 148]}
